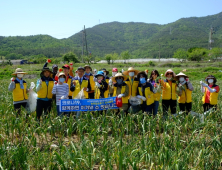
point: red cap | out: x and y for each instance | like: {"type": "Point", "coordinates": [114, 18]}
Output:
{"type": "Point", "coordinates": [66, 66]}
{"type": "Point", "coordinates": [115, 70]}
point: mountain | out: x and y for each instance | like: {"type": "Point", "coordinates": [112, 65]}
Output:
{"type": "Point", "coordinates": [141, 39]}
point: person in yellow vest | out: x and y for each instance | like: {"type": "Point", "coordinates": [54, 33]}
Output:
{"type": "Point", "coordinates": [111, 83]}
{"type": "Point", "coordinates": [169, 98]}
{"type": "Point", "coordinates": [185, 89]}
{"type": "Point", "coordinates": [19, 89]}
{"type": "Point", "coordinates": [145, 93]}
{"type": "Point", "coordinates": [100, 84]}
{"type": "Point", "coordinates": [155, 81]}
{"type": "Point", "coordinates": [132, 83]}
{"type": "Point", "coordinates": [106, 94]}
{"type": "Point", "coordinates": [44, 93]}
{"type": "Point", "coordinates": [79, 83]}
{"type": "Point", "coordinates": [211, 91]}
{"type": "Point", "coordinates": [121, 90]}
{"type": "Point", "coordinates": [90, 77]}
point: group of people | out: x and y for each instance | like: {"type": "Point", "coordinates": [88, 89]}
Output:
{"type": "Point", "coordinates": [137, 90]}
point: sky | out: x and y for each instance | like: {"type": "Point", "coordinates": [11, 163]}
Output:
{"type": "Point", "coordinates": [63, 18]}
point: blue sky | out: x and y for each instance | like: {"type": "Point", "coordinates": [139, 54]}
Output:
{"type": "Point", "coordinates": [63, 18]}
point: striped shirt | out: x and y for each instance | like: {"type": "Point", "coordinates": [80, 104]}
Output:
{"type": "Point", "coordinates": [60, 90]}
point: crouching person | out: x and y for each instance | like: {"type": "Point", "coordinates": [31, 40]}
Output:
{"type": "Point", "coordinates": [19, 90]}
{"type": "Point", "coordinates": [61, 90]}
{"type": "Point", "coordinates": [44, 91]}
{"type": "Point", "coordinates": [145, 93]}
{"type": "Point", "coordinates": [121, 90]}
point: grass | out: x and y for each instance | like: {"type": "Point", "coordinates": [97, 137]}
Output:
{"type": "Point", "coordinates": [108, 141]}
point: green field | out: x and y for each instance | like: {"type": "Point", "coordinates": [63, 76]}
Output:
{"type": "Point", "coordinates": [108, 141]}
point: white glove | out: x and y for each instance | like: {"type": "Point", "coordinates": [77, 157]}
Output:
{"type": "Point", "coordinates": [138, 96]}
{"type": "Point", "coordinates": [143, 98]}
{"type": "Point", "coordinates": [40, 82]}
{"type": "Point", "coordinates": [122, 70]}
{"type": "Point", "coordinates": [201, 82]}
{"type": "Point", "coordinates": [120, 95]}
{"type": "Point", "coordinates": [12, 79]}
{"type": "Point", "coordinates": [98, 85]}
{"type": "Point", "coordinates": [95, 79]}
{"type": "Point", "coordinates": [110, 82]}
{"type": "Point", "coordinates": [63, 97]}
{"type": "Point", "coordinates": [204, 84]}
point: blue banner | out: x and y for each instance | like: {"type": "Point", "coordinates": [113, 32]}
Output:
{"type": "Point", "coordinates": [73, 105]}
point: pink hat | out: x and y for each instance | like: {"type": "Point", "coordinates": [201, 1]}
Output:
{"type": "Point", "coordinates": [170, 71]}
{"type": "Point", "coordinates": [115, 70]}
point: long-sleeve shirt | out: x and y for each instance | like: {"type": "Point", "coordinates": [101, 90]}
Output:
{"type": "Point", "coordinates": [60, 90]}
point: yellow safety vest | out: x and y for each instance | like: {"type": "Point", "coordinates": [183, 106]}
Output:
{"type": "Point", "coordinates": [97, 93]}
{"type": "Point", "coordinates": [186, 96]}
{"type": "Point", "coordinates": [79, 87]}
{"type": "Point", "coordinates": [123, 89]}
{"type": "Point", "coordinates": [92, 83]}
{"type": "Point", "coordinates": [148, 95]}
{"type": "Point", "coordinates": [69, 84]}
{"type": "Point", "coordinates": [169, 92]}
{"type": "Point", "coordinates": [106, 94]}
{"type": "Point", "coordinates": [213, 97]}
{"type": "Point", "coordinates": [46, 91]}
{"type": "Point", "coordinates": [133, 87]}
{"type": "Point", "coordinates": [18, 93]}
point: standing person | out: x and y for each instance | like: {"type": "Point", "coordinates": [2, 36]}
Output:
{"type": "Point", "coordinates": [154, 80]}
{"type": "Point", "coordinates": [101, 85]}
{"type": "Point", "coordinates": [90, 77]}
{"type": "Point", "coordinates": [44, 91]}
{"type": "Point", "coordinates": [169, 98]}
{"type": "Point", "coordinates": [66, 70]}
{"type": "Point", "coordinates": [106, 94]}
{"type": "Point", "coordinates": [184, 93]}
{"type": "Point", "coordinates": [132, 82]}
{"type": "Point", "coordinates": [61, 90]}
{"type": "Point", "coordinates": [121, 90]}
{"type": "Point", "coordinates": [111, 82]}
{"type": "Point", "coordinates": [145, 93]}
{"type": "Point", "coordinates": [211, 91]}
{"type": "Point", "coordinates": [80, 82]}
{"type": "Point", "coordinates": [19, 90]}
{"type": "Point", "coordinates": [54, 68]}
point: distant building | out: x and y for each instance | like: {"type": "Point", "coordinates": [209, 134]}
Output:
{"type": "Point", "coordinates": [16, 62]}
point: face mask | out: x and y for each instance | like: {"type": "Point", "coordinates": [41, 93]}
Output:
{"type": "Point", "coordinates": [114, 73]}
{"type": "Point", "coordinates": [142, 80]}
{"type": "Point", "coordinates": [61, 80]}
{"type": "Point", "coordinates": [168, 78]}
{"type": "Point", "coordinates": [181, 79]}
{"type": "Point", "coordinates": [119, 81]}
{"type": "Point", "coordinates": [210, 80]}
{"type": "Point", "coordinates": [20, 75]}
{"type": "Point", "coordinates": [76, 74]}
{"type": "Point", "coordinates": [131, 74]}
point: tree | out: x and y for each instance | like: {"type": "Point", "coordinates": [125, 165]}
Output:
{"type": "Point", "coordinates": [181, 54]}
{"type": "Point", "coordinates": [108, 58]}
{"type": "Point", "coordinates": [197, 54]}
{"type": "Point", "coordinates": [215, 52]}
{"type": "Point", "coordinates": [125, 55]}
{"type": "Point", "coordinates": [114, 57]}
{"type": "Point", "coordinates": [70, 57]}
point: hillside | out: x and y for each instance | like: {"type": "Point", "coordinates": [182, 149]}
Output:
{"type": "Point", "coordinates": [141, 39]}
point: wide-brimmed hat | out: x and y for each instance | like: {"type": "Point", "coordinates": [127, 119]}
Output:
{"type": "Point", "coordinates": [66, 66]}
{"type": "Point", "coordinates": [181, 74]}
{"type": "Point", "coordinates": [143, 73]}
{"type": "Point", "coordinates": [62, 74]}
{"type": "Point", "coordinates": [88, 67]}
{"type": "Point", "coordinates": [131, 69]}
{"type": "Point", "coordinates": [170, 71]}
{"type": "Point", "coordinates": [103, 69]}
{"type": "Point", "coordinates": [45, 69]}
{"type": "Point", "coordinates": [99, 73]}
{"type": "Point", "coordinates": [119, 75]}
{"type": "Point", "coordinates": [19, 71]}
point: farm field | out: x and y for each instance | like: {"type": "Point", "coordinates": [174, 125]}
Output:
{"type": "Point", "coordinates": [110, 141]}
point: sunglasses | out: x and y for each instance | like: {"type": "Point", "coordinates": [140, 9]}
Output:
{"type": "Point", "coordinates": [169, 74]}
{"type": "Point", "coordinates": [118, 77]}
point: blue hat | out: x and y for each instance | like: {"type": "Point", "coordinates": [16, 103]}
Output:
{"type": "Point", "coordinates": [99, 73]}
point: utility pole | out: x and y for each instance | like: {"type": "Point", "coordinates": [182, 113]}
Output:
{"type": "Point", "coordinates": [82, 44]}
{"type": "Point", "coordinates": [159, 52]}
{"type": "Point", "coordinates": [86, 42]}
{"type": "Point", "coordinates": [210, 38]}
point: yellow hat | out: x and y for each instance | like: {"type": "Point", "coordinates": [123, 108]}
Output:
{"type": "Point", "coordinates": [119, 75]}
{"type": "Point", "coordinates": [131, 69]}
{"type": "Point", "coordinates": [19, 71]}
